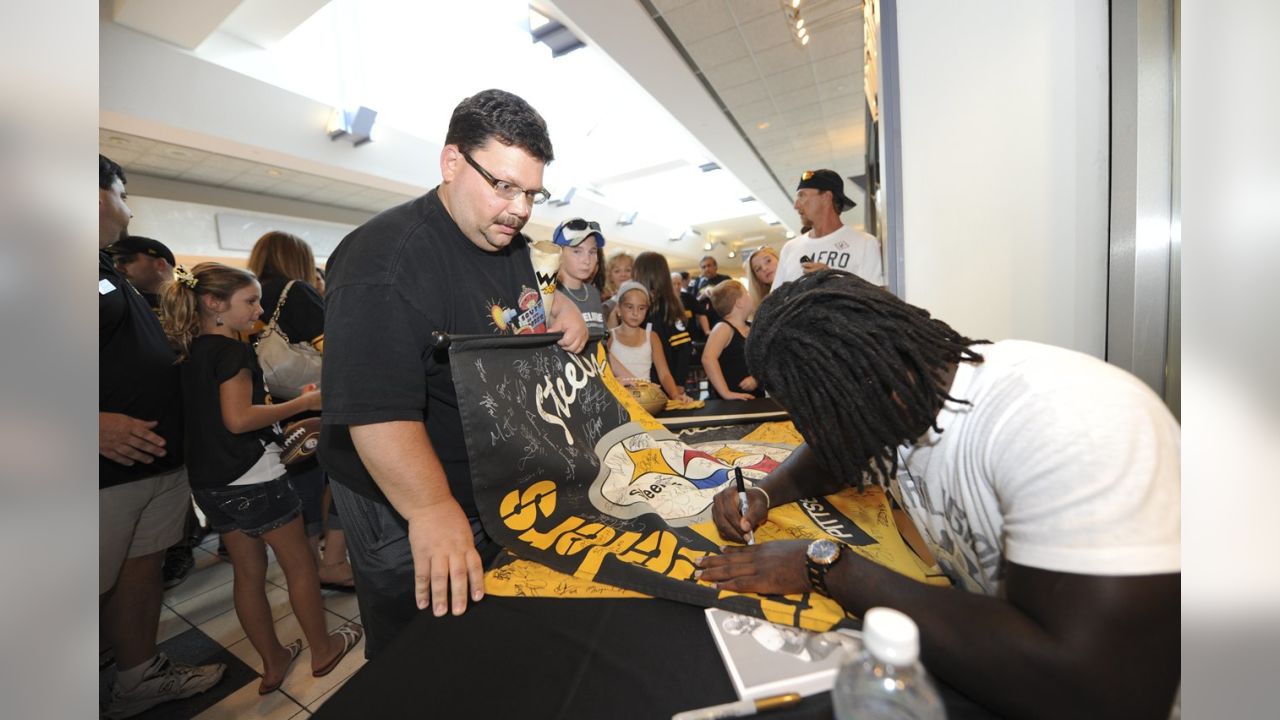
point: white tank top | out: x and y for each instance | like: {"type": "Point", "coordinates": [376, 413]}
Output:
{"type": "Point", "coordinates": [638, 359]}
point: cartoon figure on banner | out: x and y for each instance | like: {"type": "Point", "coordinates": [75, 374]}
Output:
{"type": "Point", "coordinates": [641, 473]}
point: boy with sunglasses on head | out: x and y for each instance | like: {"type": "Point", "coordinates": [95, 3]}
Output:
{"type": "Point", "coordinates": [581, 243]}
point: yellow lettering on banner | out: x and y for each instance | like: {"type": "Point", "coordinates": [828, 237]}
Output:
{"type": "Point", "coordinates": [542, 540]}
{"type": "Point", "coordinates": [590, 564]}
{"type": "Point", "coordinates": [686, 563]}
{"type": "Point", "coordinates": [790, 612]}
{"type": "Point", "coordinates": [655, 551]}
{"type": "Point", "coordinates": [520, 508]}
{"type": "Point", "coordinates": [589, 535]}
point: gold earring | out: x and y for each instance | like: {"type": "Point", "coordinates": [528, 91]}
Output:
{"type": "Point", "coordinates": [218, 321]}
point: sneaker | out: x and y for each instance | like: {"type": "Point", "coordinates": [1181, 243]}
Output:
{"type": "Point", "coordinates": [165, 680]}
{"type": "Point", "coordinates": [178, 561]}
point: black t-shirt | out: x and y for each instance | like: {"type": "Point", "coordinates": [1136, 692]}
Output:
{"type": "Point", "coordinates": [136, 373]}
{"type": "Point", "coordinates": [677, 347]}
{"type": "Point", "coordinates": [704, 301]}
{"type": "Point", "coordinates": [391, 283]}
{"type": "Point", "coordinates": [733, 364]}
{"type": "Point", "coordinates": [216, 456]}
{"type": "Point", "coordinates": [302, 317]}
{"type": "Point", "coordinates": [691, 312]}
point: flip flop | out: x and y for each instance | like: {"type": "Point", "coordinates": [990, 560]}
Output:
{"type": "Point", "coordinates": [295, 649]}
{"type": "Point", "coordinates": [350, 634]}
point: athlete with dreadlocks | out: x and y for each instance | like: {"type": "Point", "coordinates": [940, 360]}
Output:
{"type": "Point", "coordinates": [1044, 481]}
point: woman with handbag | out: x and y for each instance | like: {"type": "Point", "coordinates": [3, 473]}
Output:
{"type": "Point", "coordinates": [290, 347]}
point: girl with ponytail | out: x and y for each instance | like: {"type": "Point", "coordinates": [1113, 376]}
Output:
{"type": "Point", "coordinates": [233, 461]}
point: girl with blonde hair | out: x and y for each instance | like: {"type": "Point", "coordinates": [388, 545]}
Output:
{"type": "Point", "coordinates": [233, 461]}
{"type": "Point", "coordinates": [760, 265]}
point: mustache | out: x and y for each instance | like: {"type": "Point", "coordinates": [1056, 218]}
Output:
{"type": "Point", "coordinates": [512, 222]}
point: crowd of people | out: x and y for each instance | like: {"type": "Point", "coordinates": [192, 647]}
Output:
{"type": "Point", "coordinates": [1043, 481]}
{"type": "Point", "coordinates": [186, 423]}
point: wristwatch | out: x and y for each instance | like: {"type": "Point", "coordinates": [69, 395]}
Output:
{"type": "Point", "coordinates": [819, 557]}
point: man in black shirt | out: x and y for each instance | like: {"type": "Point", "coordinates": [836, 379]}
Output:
{"type": "Point", "coordinates": [707, 317]}
{"type": "Point", "coordinates": [145, 263]}
{"type": "Point", "coordinates": [143, 493]}
{"type": "Point", "coordinates": [452, 260]}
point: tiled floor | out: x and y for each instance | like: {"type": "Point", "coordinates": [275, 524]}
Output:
{"type": "Point", "coordinates": [200, 613]}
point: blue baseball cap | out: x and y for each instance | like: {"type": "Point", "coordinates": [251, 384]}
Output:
{"type": "Point", "coordinates": [572, 232]}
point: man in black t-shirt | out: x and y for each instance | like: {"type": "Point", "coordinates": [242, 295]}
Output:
{"type": "Point", "coordinates": [145, 263]}
{"type": "Point", "coordinates": [143, 493]}
{"type": "Point", "coordinates": [453, 260]}
{"type": "Point", "coordinates": [707, 317]}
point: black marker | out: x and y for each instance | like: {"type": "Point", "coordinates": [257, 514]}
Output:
{"type": "Point", "coordinates": [742, 501]}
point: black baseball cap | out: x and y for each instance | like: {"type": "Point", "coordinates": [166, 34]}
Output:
{"type": "Point", "coordinates": [135, 244]}
{"type": "Point", "coordinates": [828, 180]}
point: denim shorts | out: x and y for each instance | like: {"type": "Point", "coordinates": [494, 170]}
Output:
{"type": "Point", "coordinates": [251, 509]}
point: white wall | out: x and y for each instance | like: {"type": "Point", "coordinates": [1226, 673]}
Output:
{"type": "Point", "coordinates": [192, 228]}
{"type": "Point", "coordinates": [1004, 108]}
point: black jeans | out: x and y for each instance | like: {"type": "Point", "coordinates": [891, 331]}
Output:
{"type": "Point", "coordinates": [378, 543]}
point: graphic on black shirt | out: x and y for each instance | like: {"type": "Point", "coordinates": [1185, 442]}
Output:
{"type": "Point", "coordinates": [529, 318]}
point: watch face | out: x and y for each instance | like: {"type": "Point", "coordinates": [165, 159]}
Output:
{"type": "Point", "coordinates": [823, 552]}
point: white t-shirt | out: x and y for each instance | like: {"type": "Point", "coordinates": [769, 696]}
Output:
{"type": "Point", "coordinates": [844, 249]}
{"type": "Point", "coordinates": [1061, 463]}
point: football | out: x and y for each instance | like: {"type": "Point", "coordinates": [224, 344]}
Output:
{"type": "Point", "coordinates": [649, 395]}
{"type": "Point", "coordinates": [301, 439]}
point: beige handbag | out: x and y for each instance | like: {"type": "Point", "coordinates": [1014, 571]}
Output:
{"type": "Point", "coordinates": [287, 367]}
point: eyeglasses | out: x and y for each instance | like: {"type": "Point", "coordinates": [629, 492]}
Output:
{"type": "Point", "coordinates": [578, 225]}
{"type": "Point", "coordinates": [506, 190]}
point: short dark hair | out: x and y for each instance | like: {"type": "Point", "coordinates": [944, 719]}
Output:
{"type": "Point", "coordinates": [711, 258]}
{"type": "Point", "coordinates": [880, 361]}
{"type": "Point", "coordinates": [684, 274]}
{"type": "Point", "coordinates": [501, 115]}
{"type": "Point", "coordinates": [108, 171]}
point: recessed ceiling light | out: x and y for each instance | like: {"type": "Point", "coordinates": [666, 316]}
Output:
{"type": "Point", "coordinates": [804, 40]}
{"type": "Point", "coordinates": [177, 153]}
{"type": "Point", "coordinates": [762, 126]}
{"type": "Point", "coordinates": [117, 140]}
{"type": "Point", "coordinates": [274, 172]}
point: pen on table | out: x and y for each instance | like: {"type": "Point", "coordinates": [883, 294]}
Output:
{"type": "Point", "coordinates": [742, 502]}
{"type": "Point", "coordinates": [742, 708]}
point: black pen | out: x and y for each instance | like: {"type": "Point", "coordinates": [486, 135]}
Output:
{"type": "Point", "coordinates": [742, 502]}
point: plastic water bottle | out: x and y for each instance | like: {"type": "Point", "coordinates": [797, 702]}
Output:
{"type": "Point", "coordinates": [886, 680]}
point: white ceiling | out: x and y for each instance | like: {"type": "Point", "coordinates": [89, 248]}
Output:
{"type": "Point", "coordinates": [139, 155]}
{"type": "Point", "coordinates": [801, 107]}
{"type": "Point", "coordinates": [798, 108]}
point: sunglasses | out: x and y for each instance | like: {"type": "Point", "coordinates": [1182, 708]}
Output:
{"type": "Point", "coordinates": [578, 225]}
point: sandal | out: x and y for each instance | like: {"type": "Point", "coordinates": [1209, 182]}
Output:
{"type": "Point", "coordinates": [350, 634]}
{"type": "Point", "coordinates": [295, 649]}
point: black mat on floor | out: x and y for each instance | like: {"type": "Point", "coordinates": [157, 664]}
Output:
{"type": "Point", "coordinates": [194, 648]}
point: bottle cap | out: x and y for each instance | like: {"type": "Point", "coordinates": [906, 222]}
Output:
{"type": "Point", "coordinates": [890, 636]}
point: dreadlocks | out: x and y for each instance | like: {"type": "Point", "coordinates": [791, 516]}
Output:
{"type": "Point", "coordinates": [859, 370]}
